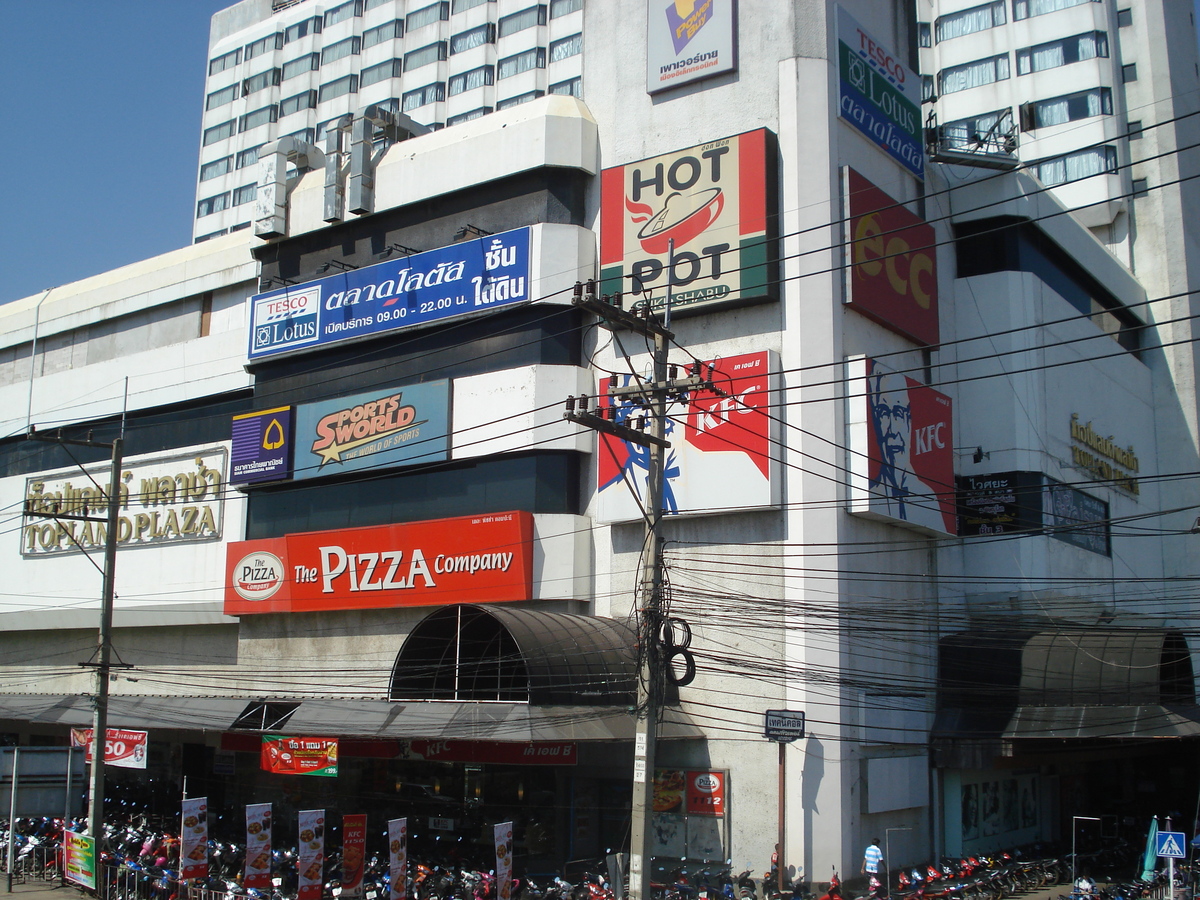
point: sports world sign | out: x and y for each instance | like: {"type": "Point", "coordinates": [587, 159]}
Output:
{"type": "Point", "coordinates": [463, 279]}
{"type": "Point", "coordinates": [879, 95]}
{"type": "Point", "coordinates": [702, 219]}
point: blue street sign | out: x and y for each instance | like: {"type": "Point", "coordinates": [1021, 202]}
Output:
{"type": "Point", "coordinates": [1171, 844]}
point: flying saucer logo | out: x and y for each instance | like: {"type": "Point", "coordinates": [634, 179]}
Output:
{"type": "Point", "coordinates": [683, 217]}
{"type": "Point", "coordinates": [686, 18]}
{"type": "Point", "coordinates": [258, 576]}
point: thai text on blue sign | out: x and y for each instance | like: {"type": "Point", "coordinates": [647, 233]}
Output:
{"type": "Point", "coordinates": [464, 278]}
{"type": "Point", "coordinates": [879, 96]}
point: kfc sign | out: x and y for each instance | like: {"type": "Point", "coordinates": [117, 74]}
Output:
{"type": "Point", "coordinates": [893, 262]}
{"type": "Point", "coordinates": [472, 559]}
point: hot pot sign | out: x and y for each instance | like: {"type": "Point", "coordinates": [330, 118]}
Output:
{"type": "Point", "coordinates": [433, 563]}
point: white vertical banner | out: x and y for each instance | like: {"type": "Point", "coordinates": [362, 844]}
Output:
{"type": "Point", "coordinates": [398, 859]}
{"type": "Point", "coordinates": [193, 839]}
{"type": "Point", "coordinates": [258, 846]}
{"type": "Point", "coordinates": [503, 833]}
{"type": "Point", "coordinates": [311, 854]}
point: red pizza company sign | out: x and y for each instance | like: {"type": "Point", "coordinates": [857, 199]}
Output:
{"type": "Point", "coordinates": [463, 560]}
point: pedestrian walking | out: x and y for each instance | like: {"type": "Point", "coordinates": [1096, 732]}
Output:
{"type": "Point", "coordinates": [872, 857]}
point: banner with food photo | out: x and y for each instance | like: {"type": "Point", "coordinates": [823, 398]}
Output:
{"type": "Point", "coordinates": [193, 839]}
{"type": "Point", "coordinates": [503, 834]}
{"type": "Point", "coordinates": [311, 854]}
{"type": "Point", "coordinates": [258, 846]}
{"type": "Point", "coordinates": [398, 859]}
{"type": "Point", "coordinates": [354, 850]}
{"type": "Point", "coordinates": [299, 755]}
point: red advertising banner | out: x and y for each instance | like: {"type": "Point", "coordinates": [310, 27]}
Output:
{"type": "Point", "coordinates": [310, 856]}
{"type": "Point", "coordinates": [299, 755]}
{"type": "Point", "coordinates": [706, 793]}
{"type": "Point", "coordinates": [258, 846]}
{"type": "Point", "coordinates": [503, 836]}
{"type": "Point", "coordinates": [538, 753]}
{"type": "Point", "coordinates": [439, 562]}
{"type": "Point", "coordinates": [354, 851]}
{"type": "Point", "coordinates": [398, 859]}
{"type": "Point", "coordinates": [193, 839]}
{"type": "Point", "coordinates": [893, 262]}
{"type": "Point", "coordinates": [124, 749]}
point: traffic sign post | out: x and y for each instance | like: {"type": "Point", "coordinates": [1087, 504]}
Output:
{"type": "Point", "coordinates": [1170, 845]}
{"type": "Point", "coordinates": [782, 726]}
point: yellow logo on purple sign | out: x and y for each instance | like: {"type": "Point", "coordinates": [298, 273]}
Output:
{"type": "Point", "coordinates": [686, 18]}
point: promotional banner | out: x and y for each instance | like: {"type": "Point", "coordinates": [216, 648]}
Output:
{"type": "Point", "coordinates": [464, 278]}
{"type": "Point", "coordinates": [123, 749]}
{"type": "Point", "coordinates": [354, 851]}
{"type": "Point", "coordinates": [703, 218]}
{"type": "Point", "coordinates": [687, 40]}
{"type": "Point", "coordinates": [705, 793]}
{"type": "Point", "coordinates": [536, 753]}
{"type": "Point", "coordinates": [299, 755]}
{"type": "Point", "coordinates": [310, 856]}
{"type": "Point", "coordinates": [386, 427]}
{"type": "Point", "coordinates": [398, 859]}
{"type": "Point", "coordinates": [901, 456]}
{"type": "Point", "coordinates": [893, 262]}
{"type": "Point", "coordinates": [79, 859]}
{"type": "Point", "coordinates": [503, 835]}
{"type": "Point", "coordinates": [432, 563]}
{"type": "Point", "coordinates": [258, 846]}
{"type": "Point", "coordinates": [262, 446]}
{"type": "Point", "coordinates": [999, 503]}
{"type": "Point", "coordinates": [193, 839]}
{"type": "Point", "coordinates": [879, 95]}
{"type": "Point", "coordinates": [723, 458]}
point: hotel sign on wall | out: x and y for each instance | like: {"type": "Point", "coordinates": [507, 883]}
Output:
{"type": "Point", "coordinates": [703, 218]}
{"type": "Point", "coordinates": [472, 559]}
{"type": "Point", "coordinates": [687, 40]}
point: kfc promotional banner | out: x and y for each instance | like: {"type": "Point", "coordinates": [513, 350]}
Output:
{"type": "Point", "coordinates": [901, 457]}
{"type": "Point", "coordinates": [299, 755]}
{"type": "Point", "coordinates": [193, 840]}
{"type": "Point", "coordinates": [310, 854]}
{"type": "Point", "coordinates": [123, 749]}
{"type": "Point", "coordinates": [893, 262]}
{"type": "Point", "coordinates": [723, 458]}
{"type": "Point", "coordinates": [434, 563]}
{"type": "Point", "coordinates": [398, 859]}
{"type": "Point", "coordinates": [354, 851]}
{"type": "Point", "coordinates": [503, 833]}
{"type": "Point", "coordinates": [258, 846]}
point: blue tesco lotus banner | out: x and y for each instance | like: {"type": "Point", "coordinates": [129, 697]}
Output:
{"type": "Point", "coordinates": [462, 279]}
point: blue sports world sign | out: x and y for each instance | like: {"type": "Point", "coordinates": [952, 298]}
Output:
{"type": "Point", "coordinates": [459, 280]}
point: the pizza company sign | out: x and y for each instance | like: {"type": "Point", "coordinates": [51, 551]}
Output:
{"type": "Point", "coordinates": [470, 559]}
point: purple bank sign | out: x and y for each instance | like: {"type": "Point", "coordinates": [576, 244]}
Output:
{"type": "Point", "coordinates": [262, 446]}
{"type": "Point", "coordinates": [462, 279]}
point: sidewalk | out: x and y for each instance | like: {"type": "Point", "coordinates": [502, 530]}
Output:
{"type": "Point", "coordinates": [50, 890]}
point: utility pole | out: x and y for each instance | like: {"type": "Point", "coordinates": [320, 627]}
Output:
{"type": "Point", "coordinates": [103, 654]}
{"type": "Point", "coordinates": [653, 397]}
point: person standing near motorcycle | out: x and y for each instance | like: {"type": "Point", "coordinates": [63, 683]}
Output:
{"type": "Point", "coordinates": [872, 857]}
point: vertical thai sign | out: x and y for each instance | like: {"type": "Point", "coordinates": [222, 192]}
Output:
{"type": "Point", "coordinates": [262, 446]}
{"type": "Point", "coordinates": [879, 95]}
{"type": "Point", "coordinates": [193, 839]}
{"type": "Point", "coordinates": [687, 40]}
{"type": "Point", "coordinates": [503, 835]}
{"type": "Point", "coordinates": [79, 859]}
{"type": "Point", "coordinates": [398, 859]}
{"type": "Point", "coordinates": [258, 846]}
{"type": "Point", "coordinates": [354, 851]}
{"type": "Point", "coordinates": [702, 218]}
{"type": "Point", "coordinates": [310, 856]}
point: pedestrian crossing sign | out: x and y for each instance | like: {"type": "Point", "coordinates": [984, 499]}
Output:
{"type": "Point", "coordinates": [1170, 844]}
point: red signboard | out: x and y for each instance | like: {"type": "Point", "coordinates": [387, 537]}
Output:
{"type": "Point", "coordinates": [537, 753]}
{"type": "Point", "coordinates": [706, 793]}
{"type": "Point", "coordinates": [124, 749]}
{"type": "Point", "coordinates": [299, 755]}
{"type": "Point", "coordinates": [354, 851]}
{"type": "Point", "coordinates": [893, 265]}
{"type": "Point", "coordinates": [485, 558]}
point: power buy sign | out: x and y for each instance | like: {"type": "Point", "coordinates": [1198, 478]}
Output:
{"type": "Point", "coordinates": [879, 95]}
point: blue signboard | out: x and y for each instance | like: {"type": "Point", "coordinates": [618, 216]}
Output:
{"type": "Point", "coordinates": [262, 446]}
{"type": "Point", "coordinates": [1170, 844]}
{"type": "Point", "coordinates": [464, 278]}
{"type": "Point", "coordinates": [387, 427]}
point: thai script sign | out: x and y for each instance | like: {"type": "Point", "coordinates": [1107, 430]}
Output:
{"type": "Point", "coordinates": [1088, 447]}
{"type": "Point", "coordinates": [79, 859]}
{"type": "Point", "coordinates": [459, 280]}
{"type": "Point", "coordinates": [463, 560]}
{"type": "Point", "coordinates": [701, 218]}
{"type": "Point", "coordinates": [258, 846]}
{"type": "Point", "coordinates": [999, 503]}
{"type": "Point", "coordinates": [385, 427]}
{"type": "Point", "coordinates": [310, 862]}
{"type": "Point", "coordinates": [536, 753]}
{"type": "Point", "coordinates": [354, 852]}
{"type": "Point", "coordinates": [398, 859]}
{"type": "Point", "coordinates": [193, 839]}
{"type": "Point", "coordinates": [299, 755]}
{"type": "Point", "coordinates": [163, 500]}
{"type": "Point", "coordinates": [1076, 518]}
{"type": "Point", "coordinates": [502, 835]}
{"type": "Point", "coordinates": [123, 749]}
{"type": "Point", "coordinates": [687, 40]}
{"type": "Point", "coordinates": [893, 262]}
{"type": "Point", "coordinates": [262, 446]}
{"type": "Point", "coordinates": [879, 95]}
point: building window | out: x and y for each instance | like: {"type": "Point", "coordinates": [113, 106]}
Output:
{"type": "Point", "coordinates": [1023, 9]}
{"type": "Point", "coordinates": [1124, 18]}
{"type": "Point", "coordinates": [1133, 129]}
{"type": "Point", "coordinates": [262, 116]}
{"type": "Point", "coordinates": [371, 4]}
{"type": "Point", "coordinates": [303, 100]}
{"type": "Point", "coordinates": [566, 48]}
{"type": "Point", "coordinates": [973, 74]}
{"type": "Point", "coordinates": [423, 56]}
{"type": "Point", "coordinates": [240, 226]}
{"type": "Point", "coordinates": [302, 29]}
{"type": "Point", "coordinates": [1129, 72]}
{"type": "Point", "coordinates": [427, 15]}
{"type": "Point", "coordinates": [562, 7]}
{"type": "Point", "coordinates": [386, 32]}
{"type": "Point", "coordinates": [924, 35]}
{"type": "Point", "coordinates": [264, 45]}
{"type": "Point", "coordinates": [225, 61]}
{"type": "Point", "coordinates": [343, 12]}
{"type": "Point", "coordinates": [572, 87]}
{"type": "Point", "coordinates": [519, 99]}
{"type": "Point", "coordinates": [431, 93]}
{"type": "Point", "coordinates": [216, 168]}
{"type": "Point", "coordinates": [1063, 52]}
{"type": "Point", "coordinates": [469, 81]}
{"type": "Point", "coordinates": [969, 21]}
{"type": "Point", "coordinates": [310, 62]}
{"type": "Point", "coordinates": [971, 133]}
{"type": "Point", "coordinates": [519, 21]}
{"type": "Point", "coordinates": [304, 134]}
{"type": "Point", "coordinates": [521, 62]}
{"type": "Point", "coordinates": [1077, 166]}
{"type": "Point", "coordinates": [254, 83]}
{"type": "Point", "coordinates": [221, 97]}
{"type": "Point", "coordinates": [210, 205]}
{"type": "Point", "coordinates": [928, 93]}
{"type": "Point", "coordinates": [1141, 187]}
{"type": "Point", "coordinates": [245, 194]}
{"type": "Point", "coordinates": [472, 38]}
{"type": "Point", "coordinates": [382, 72]}
{"type": "Point", "coordinates": [247, 157]}
{"type": "Point", "coordinates": [220, 132]}
{"type": "Point", "coordinates": [1067, 108]}
{"type": "Point", "coordinates": [210, 236]}
{"type": "Point", "coordinates": [339, 88]}
{"type": "Point", "coordinates": [468, 116]}
{"type": "Point", "coordinates": [340, 50]}
{"type": "Point", "coordinates": [464, 5]}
